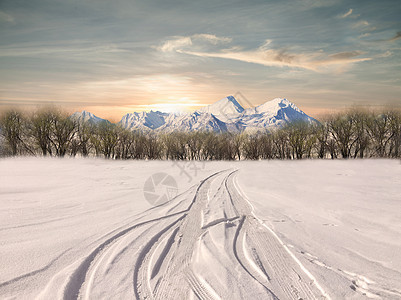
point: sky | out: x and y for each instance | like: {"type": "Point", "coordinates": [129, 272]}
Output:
{"type": "Point", "coordinates": [120, 56]}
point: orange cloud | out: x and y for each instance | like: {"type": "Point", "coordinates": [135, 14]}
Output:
{"type": "Point", "coordinates": [264, 55]}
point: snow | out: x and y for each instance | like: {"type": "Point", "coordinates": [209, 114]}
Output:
{"type": "Point", "coordinates": [86, 116]}
{"type": "Point", "coordinates": [193, 122]}
{"type": "Point", "coordinates": [143, 120]}
{"type": "Point", "coordinates": [225, 109]}
{"type": "Point", "coordinates": [272, 107]}
{"type": "Point", "coordinates": [342, 219]}
{"type": "Point", "coordinates": [242, 230]}
{"type": "Point", "coordinates": [273, 114]}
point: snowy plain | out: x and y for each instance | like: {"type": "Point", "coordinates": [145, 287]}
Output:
{"type": "Point", "coordinates": [82, 228]}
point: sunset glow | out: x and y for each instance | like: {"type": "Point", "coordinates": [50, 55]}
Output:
{"type": "Point", "coordinates": [114, 58]}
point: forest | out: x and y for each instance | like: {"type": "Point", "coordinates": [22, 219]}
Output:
{"type": "Point", "coordinates": [355, 133]}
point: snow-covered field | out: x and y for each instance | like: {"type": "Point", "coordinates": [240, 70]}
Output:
{"type": "Point", "coordinates": [82, 228]}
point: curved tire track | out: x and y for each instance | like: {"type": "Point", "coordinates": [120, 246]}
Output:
{"type": "Point", "coordinates": [178, 256]}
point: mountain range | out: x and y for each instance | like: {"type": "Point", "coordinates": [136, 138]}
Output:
{"type": "Point", "coordinates": [86, 116]}
{"type": "Point", "coordinates": [224, 115]}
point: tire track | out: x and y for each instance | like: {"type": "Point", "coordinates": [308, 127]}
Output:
{"type": "Point", "coordinates": [281, 260]}
{"type": "Point", "coordinates": [189, 229]}
{"type": "Point", "coordinates": [77, 279]}
{"type": "Point", "coordinates": [83, 274]}
{"type": "Point", "coordinates": [209, 245]}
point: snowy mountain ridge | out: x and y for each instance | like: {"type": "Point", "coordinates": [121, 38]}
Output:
{"type": "Point", "coordinates": [86, 116]}
{"type": "Point", "coordinates": [143, 120]}
{"type": "Point", "coordinates": [225, 115]}
{"type": "Point", "coordinates": [223, 107]}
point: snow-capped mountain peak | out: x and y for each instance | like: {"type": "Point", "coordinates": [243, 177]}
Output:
{"type": "Point", "coordinates": [143, 120]}
{"type": "Point", "coordinates": [225, 107]}
{"type": "Point", "coordinates": [86, 116]}
{"type": "Point", "coordinates": [272, 107]}
{"type": "Point", "coordinates": [272, 114]}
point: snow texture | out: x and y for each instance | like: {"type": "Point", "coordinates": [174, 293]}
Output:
{"type": "Point", "coordinates": [81, 228]}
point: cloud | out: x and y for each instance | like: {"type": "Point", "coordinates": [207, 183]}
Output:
{"type": "Point", "coordinates": [181, 41]}
{"type": "Point", "coordinates": [212, 38]}
{"type": "Point", "coordinates": [385, 54]}
{"type": "Point", "coordinates": [6, 17]}
{"type": "Point", "coordinates": [175, 44]}
{"type": "Point", "coordinates": [342, 58]}
{"type": "Point", "coordinates": [317, 3]}
{"type": "Point", "coordinates": [62, 49]}
{"type": "Point", "coordinates": [265, 55]}
{"type": "Point", "coordinates": [348, 13]}
{"type": "Point", "coordinates": [361, 24]}
{"type": "Point", "coordinates": [365, 35]}
{"type": "Point", "coordinates": [396, 37]}
{"type": "Point", "coordinates": [278, 58]}
{"type": "Point", "coordinates": [344, 55]}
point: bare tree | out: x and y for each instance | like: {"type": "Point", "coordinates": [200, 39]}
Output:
{"type": "Point", "coordinates": [360, 119]}
{"type": "Point", "coordinates": [225, 148]}
{"type": "Point", "coordinates": [106, 139]}
{"type": "Point", "coordinates": [84, 132]}
{"type": "Point", "coordinates": [251, 147]}
{"type": "Point", "coordinates": [322, 140]}
{"type": "Point", "coordinates": [342, 130]}
{"type": "Point", "coordinates": [125, 142]}
{"type": "Point", "coordinates": [238, 141]}
{"type": "Point", "coordinates": [395, 133]}
{"type": "Point", "coordinates": [195, 144]}
{"type": "Point", "coordinates": [3, 151]}
{"type": "Point", "coordinates": [175, 145]}
{"type": "Point", "coordinates": [266, 146]}
{"type": "Point", "coordinates": [41, 128]}
{"type": "Point", "coordinates": [379, 131]}
{"type": "Point", "coordinates": [210, 149]}
{"type": "Point", "coordinates": [11, 128]}
{"type": "Point", "coordinates": [63, 132]}
{"type": "Point", "coordinates": [300, 138]}
{"type": "Point", "coordinates": [153, 147]}
{"type": "Point", "coordinates": [280, 139]}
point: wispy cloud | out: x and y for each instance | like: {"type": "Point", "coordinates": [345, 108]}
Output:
{"type": "Point", "coordinates": [6, 18]}
{"type": "Point", "coordinates": [348, 13]}
{"type": "Point", "coordinates": [342, 58]}
{"type": "Point", "coordinates": [360, 24]}
{"type": "Point", "coordinates": [363, 35]}
{"type": "Point", "coordinates": [181, 41]}
{"type": "Point", "coordinates": [175, 44]}
{"type": "Point", "coordinates": [385, 54]}
{"type": "Point", "coordinates": [34, 49]}
{"type": "Point", "coordinates": [396, 37]}
{"type": "Point", "coordinates": [267, 56]}
{"type": "Point", "coordinates": [318, 3]}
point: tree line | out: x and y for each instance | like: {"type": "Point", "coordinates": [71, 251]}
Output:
{"type": "Point", "coordinates": [356, 133]}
